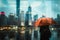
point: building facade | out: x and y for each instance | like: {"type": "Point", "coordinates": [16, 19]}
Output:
{"type": "Point", "coordinates": [28, 17]}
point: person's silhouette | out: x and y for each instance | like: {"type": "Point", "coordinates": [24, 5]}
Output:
{"type": "Point", "coordinates": [45, 32]}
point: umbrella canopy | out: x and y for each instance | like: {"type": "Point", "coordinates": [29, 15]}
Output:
{"type": "Point", "coordinates": [44, 22]}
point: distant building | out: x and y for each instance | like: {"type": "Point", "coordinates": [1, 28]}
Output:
{"type": "Point", "coordinates": [35, 17]}
{"type": "Point", "coordinates": [29, 9]}
{"type": "Point", "coordinates": [18, 7]}
{"type": "Point", "coordinates": [22, 18]}
{"type": "Point", "coordinates": [58, 19]}
{"type": "Point", "coordinates": [11, 19]}
{"type": "Point", "coordinates": [58, 16]}
{"type": "Point", "coordinates": [3, 19]}
{"type": "Point", "coordinates": [28, 17]}
{"type": "Point", "coordinates": [18, 11]}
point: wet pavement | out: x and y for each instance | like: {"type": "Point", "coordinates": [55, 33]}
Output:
{"type": "Point", "coordinates": [34, 35]}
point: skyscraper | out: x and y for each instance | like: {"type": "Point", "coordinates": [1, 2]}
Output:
{"type": "Point", "coordinates": [28, 17]}
{"type": "Point", "coordinates": [29, 9]}
{"type": "Point", "coordinates": [22, 18]}
{"type": "Point", "coordinates": [18, 7]}
{"type": "Point", "coordinates": [35, 17]}
{"type": "Point", "coordinates": [3, 19]}
{"type": "Point", "coordinates": [18, 11]}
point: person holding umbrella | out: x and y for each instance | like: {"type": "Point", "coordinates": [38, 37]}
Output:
{"type": "Point", "coordinates": [44, 23]}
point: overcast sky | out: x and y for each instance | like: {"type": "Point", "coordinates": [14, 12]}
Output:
{"type": "Point", "coordinates": [42, 7]}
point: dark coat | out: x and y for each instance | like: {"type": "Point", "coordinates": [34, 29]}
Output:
{"type": "Point", "coordinates": [45, 33]}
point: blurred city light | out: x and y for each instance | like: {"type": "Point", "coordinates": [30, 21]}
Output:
{"type": "Point", "coordinates": [22, 24]}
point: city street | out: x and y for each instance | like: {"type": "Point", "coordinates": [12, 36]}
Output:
{"type": "Point", "coordinates": [34, 35]}
{"type": "Point", "coordinates": [54, 35]}
{"type": "Point", "coordinates": [29, 19]}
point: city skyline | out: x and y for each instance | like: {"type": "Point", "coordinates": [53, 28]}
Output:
{"type": "Point", "coordinates": [38, 7]}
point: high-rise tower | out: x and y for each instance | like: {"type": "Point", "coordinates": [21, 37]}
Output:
{"type": "Point", "coordinates": [28, 17]}
{"type": "Point", "coordinates": [18, 10]}
{"type": "Point", "coordinates": [22, 18]}
{"type": "Point", "coordinates": [29, 9]}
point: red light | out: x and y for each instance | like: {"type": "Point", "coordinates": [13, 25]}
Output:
{"type": "Point", "coordinates": [2, 13]}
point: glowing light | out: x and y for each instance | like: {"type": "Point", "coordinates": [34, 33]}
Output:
{"type": "Point", "coordinates": [22, 23]}
{"type": "Point", "coordinates": [52, 29]}
{"type": "Point", "coordinates": [16, 27]}
{"type": "Point", "coordinates": [2, 13]}
{"type": "Point", "coordinates": [30, 22]}
{"type": "Point", "coordinates": [22, 32]}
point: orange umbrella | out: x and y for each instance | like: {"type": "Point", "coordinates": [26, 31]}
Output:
{"type": "Point", "coordinates": [44, 22]}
